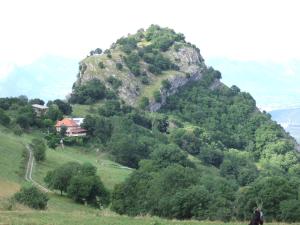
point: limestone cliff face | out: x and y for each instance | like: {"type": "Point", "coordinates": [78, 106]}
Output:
{"type": "Point", "coordinates": [187, 58]}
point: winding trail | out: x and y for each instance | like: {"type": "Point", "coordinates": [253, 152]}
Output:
{"type": "Point", "coordinates": [28, 173]}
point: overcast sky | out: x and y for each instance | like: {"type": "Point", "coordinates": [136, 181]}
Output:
{"type": "Point", "coordinates": [254, 30]}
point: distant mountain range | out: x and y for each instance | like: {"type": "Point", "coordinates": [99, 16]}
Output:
{"type": "Point", "coordinates": [289, 120]}
{"type": "Point", "coordinates": [48, 78]}
{"type": "Point", "coordinates": [273, 85]}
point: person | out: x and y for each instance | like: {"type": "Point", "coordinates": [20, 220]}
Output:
{"type": "Point", "coordinates": [256, 218]}
{"type": "Point", "coordinates": [261, 218]}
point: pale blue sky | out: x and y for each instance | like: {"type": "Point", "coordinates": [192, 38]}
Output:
{"type": "Point", "coordinates": [234, 36]}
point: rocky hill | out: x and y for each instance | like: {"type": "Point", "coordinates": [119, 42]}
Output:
{"type": "Point", "coordinates": [147, 66]}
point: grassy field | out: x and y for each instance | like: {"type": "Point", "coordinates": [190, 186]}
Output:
{"type": "Point", "coordinates": [96, 218]}
{"type": "Point", "coordinates": [84, 110]}
{"type": "Point", "coordinates": [110, 172]}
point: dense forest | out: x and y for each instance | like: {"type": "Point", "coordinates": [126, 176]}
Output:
{"type": "Point", "coordinates": [207, 153]}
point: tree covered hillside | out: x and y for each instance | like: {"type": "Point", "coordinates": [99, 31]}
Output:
{"type": "Point", "coordinates": [196, 148]}
{"type": "Point", "coordinates": [245, 160]}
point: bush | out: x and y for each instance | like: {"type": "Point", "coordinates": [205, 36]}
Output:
{"type": "Point", "coordinates": [166, 84]}
{"type": "Point", "coordinates": [89, 189]}
{"type": "Point", "coordinates": [132, 61]}
{"type": "Point", "coordinates": [88, 92]}
{"type": "Point", "coordinates": [145, 80]}
{"type": "Point", "coordinates": [98, 51]}
{"type": "Point", "coordinates": [144, 103]}
{"type": "Point", "coordinates": [153, 69]}
{"type": "Point", "coordinates": [63, 106]}
{"type": "Point", "coordinates": [119, 66]}
{"type": "Point", "coordinates": [128, 44]}
{"type": "Point", "coordinates": [110, 108]}
{"type": "Point", "coordinates": [80, 182]}
{"type": "Point", "coordinates": [39, 149]}
{"type": "Point", "coordinates": [157, 96]}
{"type": "Point", "coordinates": [4, 119]}
{"type": "Point", "coordinates": [158, 62]}
{"type": "Point", "coordinates": [114, 82]}
{"type": "Point", "coordinates": [290, 210]}
{"type": "Point", "coordinates": [7, 204]}
{"type": "Point", "coordinates": [60, 178]}
{"type": "Point", "coordinates": [32, 197]}
{"type": "Point", "coordinates": [101, 65]}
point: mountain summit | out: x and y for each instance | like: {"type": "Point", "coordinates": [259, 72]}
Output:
{"type": "Point", "coordinates": [146, 67]}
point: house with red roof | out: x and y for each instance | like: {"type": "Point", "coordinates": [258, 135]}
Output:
{"type": "Point", "coordinates": [73, 127]}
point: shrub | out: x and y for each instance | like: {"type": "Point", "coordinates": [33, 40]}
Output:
{"type": "Point", "coordinates": [60, 178]}
{"type": "Point", "coordinates": [98, 51]}
{"type": "Point", "coordinates": [119, 66]}
{"type": "Point", "coordinates": [101, 65]}
{"type": "Point", "coordinates": [153, 69]}
{"type": "Point", "coordinates": [108, 53]}
{"type": "Point", "coordinates": [63, 106]}
{"type": "Point", "coordinates": [145, 80]}
{"type": "Point", "coordinates": [128, 44]}
{"type": "Point", "coordinates": [32, 197]}
{"type": "Point", "coordinates": [114, 82]}
{"type": "Point", "coordinates": [144, 103]}
{"type": "Point", "coordinates": [110, 108]}
{"type": "Point", "coordinates": [157, 96]}
{"type": "Point", "coordinates": [17, 130]}
{"type": "Point", "coordinates": [88, 189]}
{"type": "Point", "coordinates": [4, 119]}
{"type": "Point", "coordinates": [177, 47]}
{"type": "Point", "coordinates": [39, 149]}
{"type": "Point", "coordinates": [88, 92]}
{"type": "Point", "coordinates": [166, 84]}
{"type": "Point", "coordinates": [132, 61]}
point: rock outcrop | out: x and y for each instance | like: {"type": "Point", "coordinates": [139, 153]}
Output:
{"type": "Point", "coordinates": [185, 57]}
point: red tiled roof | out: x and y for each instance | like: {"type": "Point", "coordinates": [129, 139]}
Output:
{"type": "Point", "coordinates": [66, 122]}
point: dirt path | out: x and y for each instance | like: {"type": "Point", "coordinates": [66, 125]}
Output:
{"type": "Point", "coordinates": [29, 168]}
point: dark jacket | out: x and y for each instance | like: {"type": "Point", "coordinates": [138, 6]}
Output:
{"type": "Point", "coordinates": [256, 218]}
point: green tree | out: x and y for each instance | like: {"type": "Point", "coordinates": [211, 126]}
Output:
{"type": "Point", "coordinates": [166, 155]}
{"type": "Point", "coordinates": [144, 103]}
{"type": "Point", "coordinates": [36, 101]}
{"type": "Point", "coordinates": [32, 197]}
{"type": "Point", "coordinates": [290, 210]}
{"type": "Point", "coordinates": [39, 149]}
{"type": "Point", "coordinates": [63, 106]}
{"type": "Point", "coordinates": [119, 66]}
{"type": "Point", "coordinates": [60, 177]}
{"type": "Point", "coordinates": [4, 118]}
{"type": "Point", "coordinates": [157, 96]}
{"type": "Point", "coordinates": [54, 113]}
{"type": "Point", "coordinates": [110, 108]}
{"type": "Point", "coordinates": [88, 189]}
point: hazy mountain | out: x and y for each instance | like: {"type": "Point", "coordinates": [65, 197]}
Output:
{"type": "Point", "coordinates": [273, 85]}
{"type": "Point", "coordinates": [48, 78]}
{"type": "Point", "coordinates": [289, 119]}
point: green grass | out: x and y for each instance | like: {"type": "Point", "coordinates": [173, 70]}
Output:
{"type": "Point", "coordinates": [95, 218]}
{"type": "Point", "coordinates": [12, 164]}
{"type": "Point", "coordinates": [84, 110]}
{"type": "Point", "coordinates": [110, 172]}
{"type": "Point", "coordinates": [11, 150]}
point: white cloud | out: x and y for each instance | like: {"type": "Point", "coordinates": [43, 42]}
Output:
{"type": "Point", "coordinates": [252, 30]}
{"type": "Point", "coordinates": [5, 69]}
{"type": "Point", "coordinates": [245, 30]}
